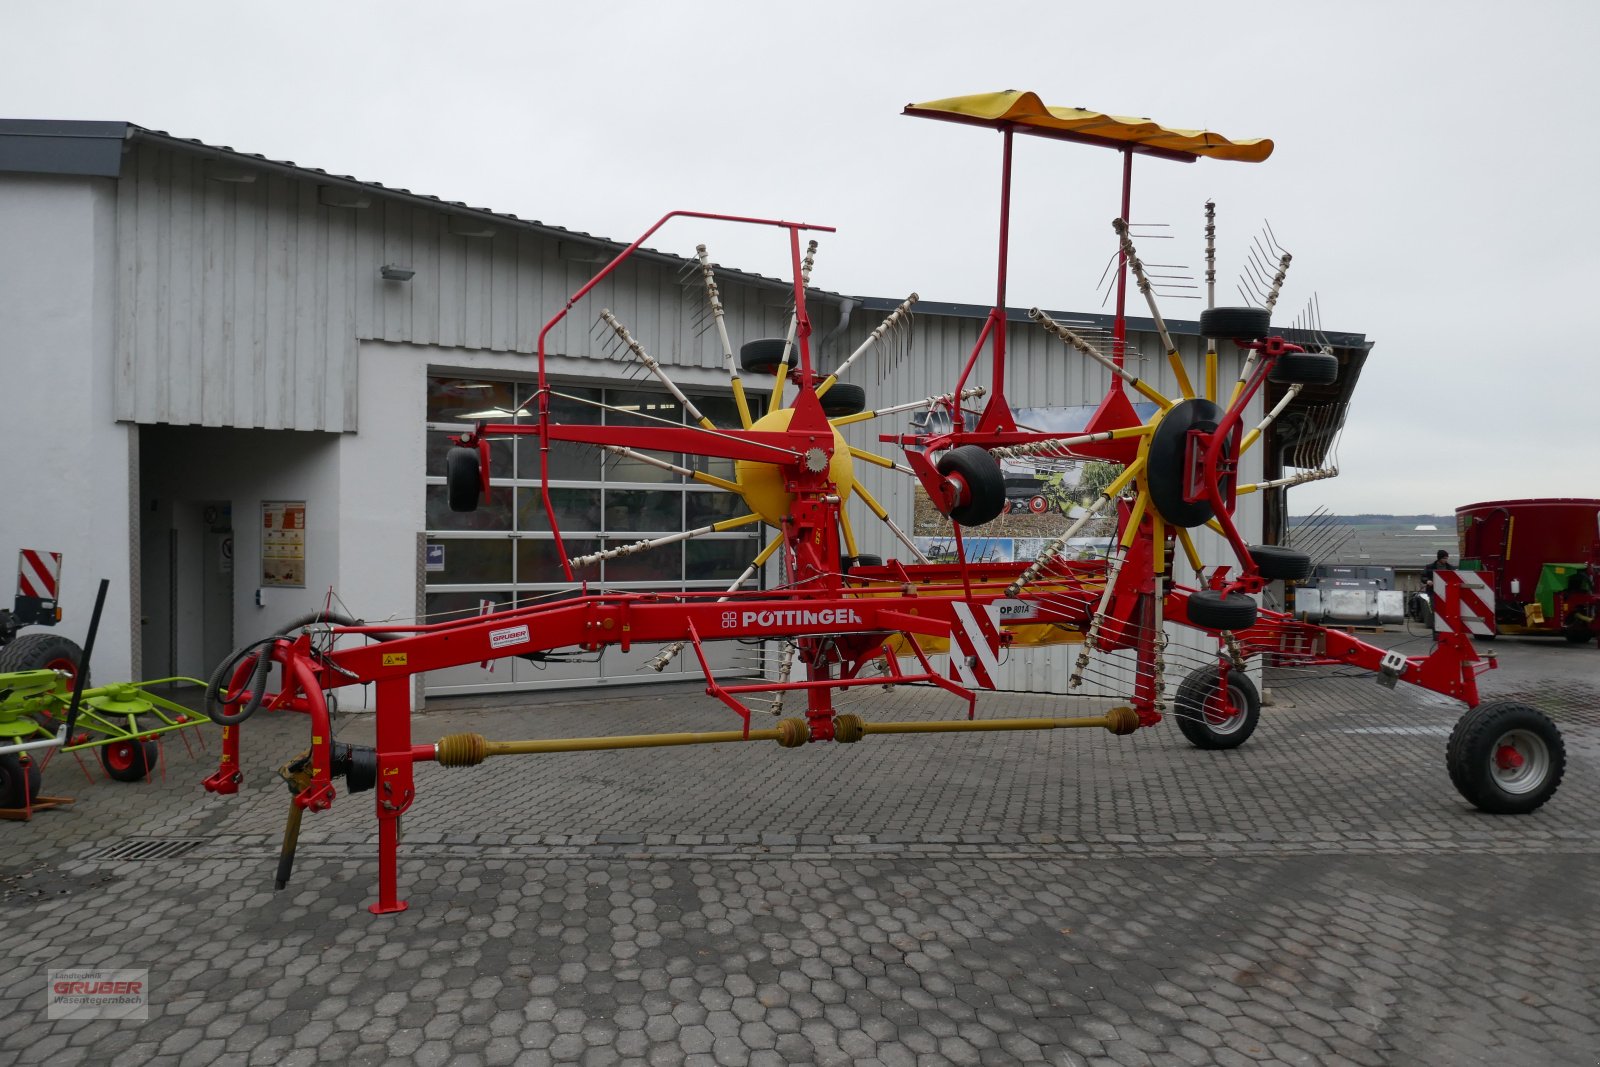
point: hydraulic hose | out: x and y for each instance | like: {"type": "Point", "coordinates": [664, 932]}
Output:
{"type": "Point", "coordinates": [217, 707]}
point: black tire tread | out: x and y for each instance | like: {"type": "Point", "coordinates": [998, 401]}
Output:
{"type": "Point", "coordinates": [1235, 324]}
{"type": "Point", "coordinates": [146, 753]}
{"type": "Point", "coordinates": [11, 778]}
{"type": "Point", "coordinates": [1212, 610]}
{"type": "Point", "coordinates": [1189, 709]}
{"type": "Point", "coordinates": [463, 478]}
{"type": "Point", "coordinates": [1305, 368]}
{"type": "Point", "coordinates": [1167, 462]}
{"type": "Point", "coordinates": [843, 399]}
{"type": "Point", "coordinates": [986, 484]}
{"type": "Point", "coordinates": [1276, 562]}
{"type": "Point", "coordinates": [31, 652]}
{"type": "Point", "coordinates": [1466, 756]}
{"type": "Point", "coordinates": [763, 355]}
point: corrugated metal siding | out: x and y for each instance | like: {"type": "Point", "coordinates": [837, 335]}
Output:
{"type": "Point", "coordinates": [495, 293]}
{"type": "Point", "coordinates": [234, 302]}
{"type": "Point", "coordinates": [241, 304]}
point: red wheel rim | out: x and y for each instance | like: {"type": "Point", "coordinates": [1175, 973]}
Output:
{"type": "Point", "coordinates": [66, 666]}
{"type": "Point", "coordinates": [1220, 708]}
{"type": "Point", "coordinates": [119, 757]}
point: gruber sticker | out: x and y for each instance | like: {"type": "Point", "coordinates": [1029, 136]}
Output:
{"type": "Point", "coordinates": [515, 635]}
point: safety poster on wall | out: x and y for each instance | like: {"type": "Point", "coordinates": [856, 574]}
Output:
{"type": "Point", "coordinates": [283, 543]}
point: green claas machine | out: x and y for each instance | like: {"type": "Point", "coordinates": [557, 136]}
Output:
{"type": "Point", "coordinates": [50, 706]}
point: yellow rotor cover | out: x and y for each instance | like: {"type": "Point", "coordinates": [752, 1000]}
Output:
{"type": "Point", "coordinates": [763, 485]}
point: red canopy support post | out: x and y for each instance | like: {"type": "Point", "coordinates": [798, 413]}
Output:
{"type": "Point", "coordinates": [1119, 337]}
{"type": "Point", "coordinates": [1000, 270]}
{"type": "Point", "coordinates": [996, 417]}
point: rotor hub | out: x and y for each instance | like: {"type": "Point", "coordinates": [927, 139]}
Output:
{"type": "Point", "coordinates": [765, 486]}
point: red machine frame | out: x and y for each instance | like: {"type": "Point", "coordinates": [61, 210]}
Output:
{"type": "Point", "coordinates": [842, 623]}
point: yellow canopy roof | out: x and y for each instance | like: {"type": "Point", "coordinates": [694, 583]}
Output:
{"type": "Point", "coordinates": [1027, 112]}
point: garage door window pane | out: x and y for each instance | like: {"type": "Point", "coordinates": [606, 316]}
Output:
{"type": "Point", "coordinates": [703, 509]}
{"type": "Point", "coordinates": [644, 510]}
{"type": "Point", "coordinates": [494, 514]}
{"type": "Point", "coordinates": [664, 564]}
{"type": "Point", "coordinates": [474, 561]}
{"type": "Point", "coordinates": [577, 510]}
{"type": "Point", "coordinates": [705, 559]}
{"type": "Point", "coordinates": [445, 607]}
{"type": "Point", "coordinates": [636, 407]}
{"type": "Point", "coordinates": [537, 560]}
{"type": "Point", "coordinates": [468, 399]}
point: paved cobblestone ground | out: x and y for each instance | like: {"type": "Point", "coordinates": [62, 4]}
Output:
{"type": "Point", "coordinates": [1319, 896]}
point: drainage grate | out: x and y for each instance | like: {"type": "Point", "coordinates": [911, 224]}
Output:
{"type": "Point", "coordinates": [149, 848]}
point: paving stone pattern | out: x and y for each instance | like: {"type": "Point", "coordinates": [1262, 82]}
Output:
{"type": "Point", "coordinates": [1319, 896]}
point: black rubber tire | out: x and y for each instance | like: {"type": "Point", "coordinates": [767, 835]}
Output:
{"type": "Point", "coordinates": [1195, 694]}
{"type": "Point", "coordinates": [1235, 324]}
{"type": "Point", "coordinates": [843, 399]}
{"type": "Point", "coordinates": [985, 495]}
{"type": "Point", "coordinates": [35, 652]}
{"type": "Point", "coordinates": [763, 355]}
{"type": "Point", "coordinates": [1470, 757]}
{"type": "Point", "coordinates": [1213, 611]}
{"type": "Point", "coordinates": [19, 780]}
{"type": "Point", "coordinates": [1577, 632]}
{"type": "Point", "coordinates": [1306, 368]}
{"type": "Point", "coordinates": [1166, 462]}
{"type": "Point", "coordinates": [852, 562]}
{"type": "Point", "coordinates": [129, 761]}
{"type": "Point", "coordinates": [1277, 563]}
{"type": "Point", "coordinates": [463, 478]}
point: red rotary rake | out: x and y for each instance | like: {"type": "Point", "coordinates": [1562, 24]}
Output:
{"type": "Point", "coordinates": [852, 620]}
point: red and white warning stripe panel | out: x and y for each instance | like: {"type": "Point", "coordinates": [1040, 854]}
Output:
{"type": "Point", "coordinates": [975, 645]}
{"type": "Point", "coordinates": [1462, 600]}
{"type": "Point", "coordinates": [38, 574]}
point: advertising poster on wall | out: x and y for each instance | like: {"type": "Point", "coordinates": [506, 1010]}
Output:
{"type": "Point", "coordinates": [1043, 493]}
{"type": "Point", "coordinates": [976, 549]}
{"type": "Point", "coordinates": [283, 543]}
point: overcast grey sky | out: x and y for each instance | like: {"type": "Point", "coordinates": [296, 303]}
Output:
{"type": "Point", "coordinates": [1435, 171]}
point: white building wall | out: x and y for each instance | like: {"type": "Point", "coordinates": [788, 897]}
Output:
{"type": "Point", "coordinates": [65, 481]}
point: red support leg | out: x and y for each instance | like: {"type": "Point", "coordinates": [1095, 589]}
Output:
{"type": "Point", "coordinates": [395, 791]}
{"type": "Point", "coordinates": [1144, 686]}
{"type": "Point", "coordinates": [819, 701]}
{"type": "Point", "coordinates": [226, 780]}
